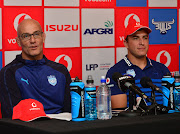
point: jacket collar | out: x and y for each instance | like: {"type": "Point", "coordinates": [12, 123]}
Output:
{"type": "Point", "coordinates": [31, 62]}
{"type": "Point", "coordinates": [128, 62]}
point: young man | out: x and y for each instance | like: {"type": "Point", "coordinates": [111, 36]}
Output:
{"type": "Point", "coordinates": [135, 63]}
{"type": "Point", "coordinates": [32, 75]}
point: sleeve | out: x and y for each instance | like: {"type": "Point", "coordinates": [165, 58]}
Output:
{"type": "Point", "coordinates": [112, 84]}
{"type": "Point", "coordinates": [67, 96]}
{"type": "Point", "coordinates": [9, 92]}
{"type": "Point", "coordinates": [165, 70]}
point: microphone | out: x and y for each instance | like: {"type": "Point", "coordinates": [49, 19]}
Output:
{"type": "Point", "coordinates": [127, 82]}
{"type": "Point", "coordinates": [121, 80]}
{"type": "Point", "coordinates": [146, 82]}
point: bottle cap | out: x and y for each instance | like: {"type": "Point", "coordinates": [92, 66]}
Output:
{"type": "Point", "coordinates": [77, 79]}
{"type": "Point", "coordinates": [168, 75]}
{"type": "Point", "coordinates": [103, 79]}
{"type": "Point", "coordinates": [89, 79]}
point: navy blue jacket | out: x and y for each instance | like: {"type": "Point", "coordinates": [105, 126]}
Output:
{"type": "Point", "coordinates": [43, 80]}
{"type": "Point", "coordinates": [153, 70]}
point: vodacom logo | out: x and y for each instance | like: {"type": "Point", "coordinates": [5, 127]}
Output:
{"type": "Point", "coordinates": [19, 18]}
{"type": "Point", "coordinates": [168, 56]}
{"type": "Point", "coordinates": [33, 104]}
{"type": "Point", "coordinates": [66, 58]}
{"type": "Point", "coordinates": [131, 16]}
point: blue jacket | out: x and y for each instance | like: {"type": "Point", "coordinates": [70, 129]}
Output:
{"type": "Point", "coordinates": [43, 80]}
{"type": "Point", "coordinates": [153, 70]}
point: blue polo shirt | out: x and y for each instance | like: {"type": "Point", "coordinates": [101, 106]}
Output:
{"type": "Point", "coordinates": [153, 70]}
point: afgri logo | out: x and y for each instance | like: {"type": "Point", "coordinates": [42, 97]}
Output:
{"type": "Point", "coordinates": [97, 28]}
{"type": "Point", "coordinates": [108, 30]}
{"type": "Point", "coordinates": [163, 23]}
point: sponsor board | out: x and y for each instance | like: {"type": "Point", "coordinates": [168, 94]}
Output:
{"type": "Point", "coordinates": [10, 56]}
{"type": "Point", "coordinates": [98, 63]}
{"type": "Point", "coordinates": [98, 3]}
{"type": "Point", "coordinates": [71, 58]}
{"type": "Point", "coordinates": [12, 17]}
{"type": "Point", "coordinates": [97, 29]}
{"type": "Point", "coordinates": [123, 16]}
{"type": "Point", "coordinates": [131, 3]}
{"type": "Point", "coordinates": [163, 23]}
{"type": "Point", "coordinates": [162, 3]}
{"type": "Point", "coordinates": [23, 2]}
{"type": "Point", "coordinates": [121, 52]}
{"type": "Point", "coordinates": [61, 27]}
{"type": "Point", "coordinates": [166, 54]}
{"type": "Point", "coordinates": [61, 3]}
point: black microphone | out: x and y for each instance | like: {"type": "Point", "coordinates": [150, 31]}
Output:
{"type": "Point", "coordinates": [146, 82]}
{"type": "Point", "coordinates": [127, 82]}
{"type": "Point", "coordinates": [120, 80]}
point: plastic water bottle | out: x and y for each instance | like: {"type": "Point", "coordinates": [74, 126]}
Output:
{"type": "Point", "coordinates": [90, 99]}
{"type": "Point", "coordinates": [168, 90]}
{"type": "Point", "coordinates": [77, 100]}
{"type": "Point", "coordinates": [103, 98]}
{"type": "Point", "coordinates": [177, 92]}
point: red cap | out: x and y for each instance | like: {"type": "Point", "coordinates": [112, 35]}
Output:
{"type": "Point", "coordinates": [134, 27]}
{"type": "Point", "coordinates": [28, 110]}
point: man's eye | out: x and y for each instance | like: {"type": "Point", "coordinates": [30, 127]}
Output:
{"type": "Point", "coordinates": [37, 34]}
{"type": "Point", "coordinates": [25, 35]}
{"type": "Point", "coordinates": [135, 38]}
{"type": "Point", "coordinates": [145, 37]}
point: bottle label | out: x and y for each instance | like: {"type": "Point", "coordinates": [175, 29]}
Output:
{"type": "Point", "coordinates": [169, 86]}
{"type": "Point", "coordinates": [90, 93]}
{"type": "Point", "coordinates": [77, 99]}
{"type": "Point", "coordinates": [177, 86]}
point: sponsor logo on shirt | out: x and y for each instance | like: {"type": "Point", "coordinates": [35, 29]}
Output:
{"type": "Point", "coordinates": [26, 81]}
{"type": "Point", "coordinates": [52, 80]}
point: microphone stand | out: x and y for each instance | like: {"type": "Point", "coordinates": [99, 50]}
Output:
{"type": "Point", "coordinates": [131, 100]}
{"type": "Point", "coordinates": [154, 101]}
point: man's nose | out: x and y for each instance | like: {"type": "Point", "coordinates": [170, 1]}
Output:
{"type": "Point", "coordinates": [32, 39]}
{"type": "Point", "coordinates": [141, 41]}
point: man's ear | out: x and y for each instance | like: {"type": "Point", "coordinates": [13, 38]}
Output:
{"type": "Point", "coordinates": [125, 43]}
{"type": "Point", "coordinates": [44, 37]}
{"type": "Point", "coordinates": [18, 41]}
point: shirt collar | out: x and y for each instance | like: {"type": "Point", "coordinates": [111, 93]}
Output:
{"type": "Point", "coordinates": [128, 62]}
{"type": "Point", "coordinates": [31, 62]}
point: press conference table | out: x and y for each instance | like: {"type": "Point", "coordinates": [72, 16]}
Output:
{"type": "Point", "coordinates": [164, 123]}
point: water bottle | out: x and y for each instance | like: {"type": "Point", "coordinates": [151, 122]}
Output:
{"type": "Point", "coordinates": [77, 100]}
{"type": "Point", "coordinates": [90, 99]}
{"type": "Point", "coordinates": [168, 90]}
{"type": "Point", "coordinates": [177, 92]}
{"type": "Point", "coordinates": [103, 98]}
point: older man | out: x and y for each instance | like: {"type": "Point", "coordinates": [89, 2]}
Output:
{"type": "Point", "coordinates": [32, 75]}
